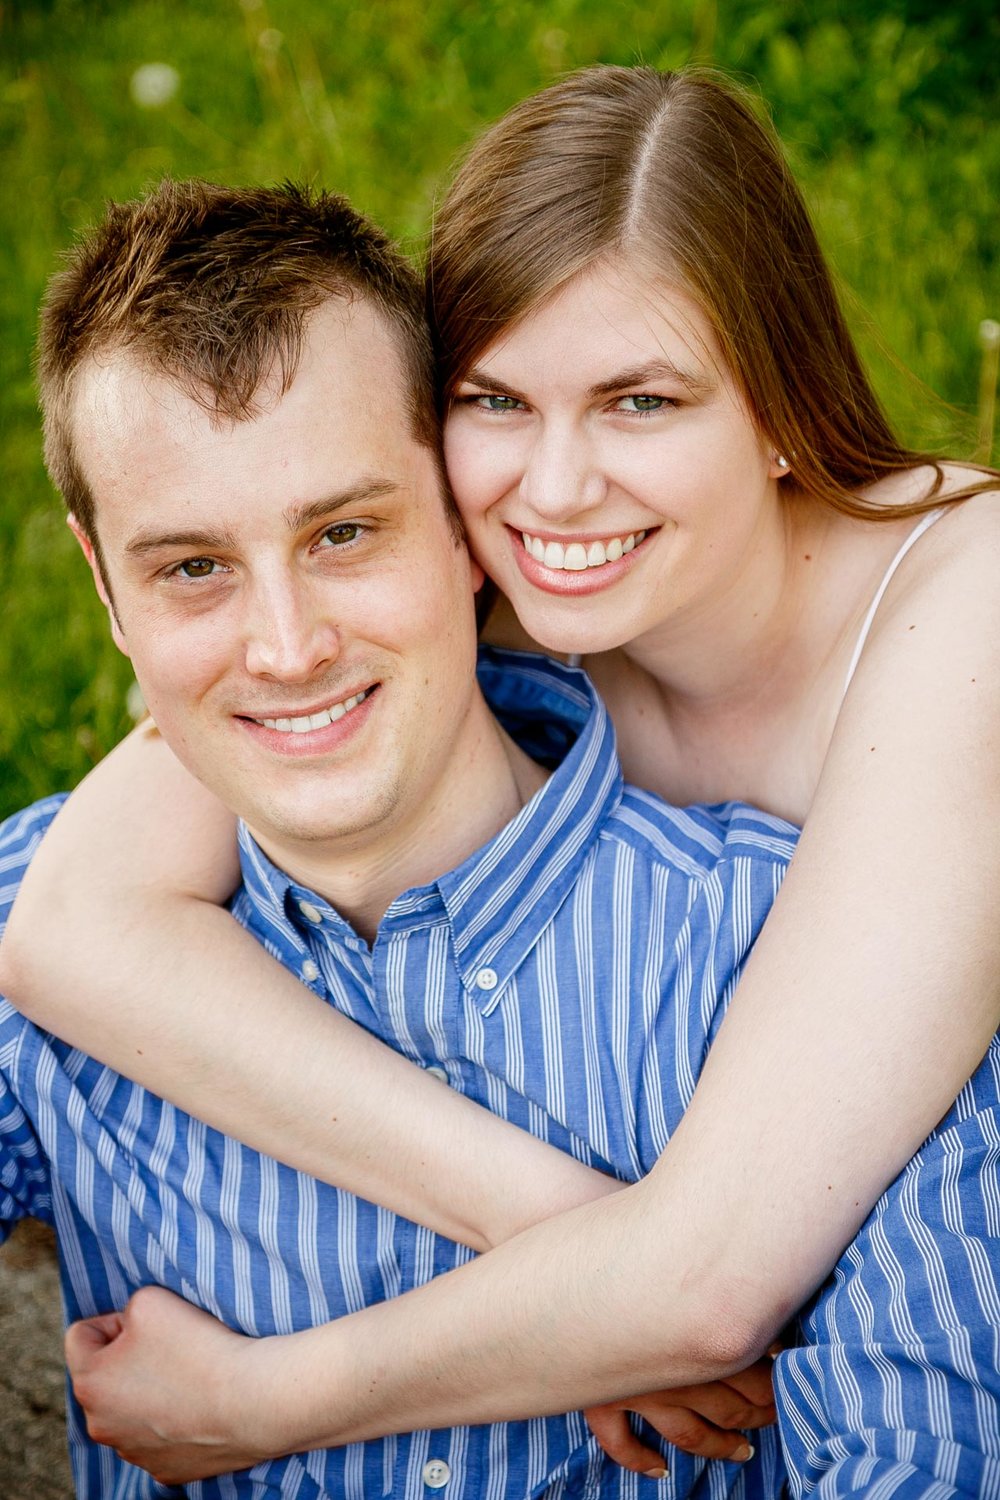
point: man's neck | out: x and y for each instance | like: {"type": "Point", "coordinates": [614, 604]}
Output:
{"type": "Point", "coordinates": [487, 782]}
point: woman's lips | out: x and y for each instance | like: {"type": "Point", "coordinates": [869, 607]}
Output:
{"type": "Point", "coordinates": [575, 565]}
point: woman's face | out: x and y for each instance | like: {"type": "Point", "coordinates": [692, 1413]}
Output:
{"type": "Point", "coordinates": [610, 476]}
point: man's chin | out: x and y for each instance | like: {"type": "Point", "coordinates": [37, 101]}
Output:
{"type": "Point", "coordinates": [287, 834]}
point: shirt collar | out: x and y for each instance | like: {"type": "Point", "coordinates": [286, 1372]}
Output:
{"type": "Point", "coordinates": [501, 897]}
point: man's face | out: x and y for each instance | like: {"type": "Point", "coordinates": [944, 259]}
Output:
{"type": "Point", "coordinates": [289, 589]}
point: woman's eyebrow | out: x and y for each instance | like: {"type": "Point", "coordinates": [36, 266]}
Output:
{"type": "Point", "coordinates": [659, 369]}
{"type": "Point", "coordinates": [488, 383]}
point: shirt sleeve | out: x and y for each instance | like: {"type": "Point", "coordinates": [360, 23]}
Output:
{"type": "Point", "coordinates": [724, 925]}
{"type": "Point", "coordinates": [24, 1176]}
{"type": "Point", "coordinates": [896, 1389]}
{"type": "Point", "coordinates": [25, 1191]}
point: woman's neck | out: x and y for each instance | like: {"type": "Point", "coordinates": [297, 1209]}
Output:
{"type": "Point", "coordinates": [739, 699]}
{"type": "Point", "coordinates": [752, 638]}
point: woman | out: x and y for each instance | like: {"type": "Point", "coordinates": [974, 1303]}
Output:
{"type": "Point", "coordinates": [670, 461]}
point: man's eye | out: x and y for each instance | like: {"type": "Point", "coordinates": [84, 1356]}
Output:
{"type": "Point", "coordinates": [197, 567]}
{"type": "Point", "coordinates": [337, 536]}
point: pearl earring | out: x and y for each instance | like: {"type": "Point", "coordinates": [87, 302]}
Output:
{"type": "Point", "coordinates": [781, 460]}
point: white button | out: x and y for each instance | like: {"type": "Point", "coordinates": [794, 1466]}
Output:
{"type": "Point", "coordinates": [436, 1473]}
{"type": "Point", "coordinates": [310, 971]}
{"type": "Point", "coordinates": [310, 912]}
{"type": "Point", "coordinates": [486, 979]}
{"type": "Point", "coordinates": [438, 1073]}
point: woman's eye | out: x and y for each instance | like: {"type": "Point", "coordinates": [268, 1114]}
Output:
{"type": "Point", "coordinates": [197, 567]}
{"type": "Point", "coordinates": [642, 404]}
{"type": "Point", "coordinates": [338, 536]}
{"type": "Point", "coordinates": [497, 403]}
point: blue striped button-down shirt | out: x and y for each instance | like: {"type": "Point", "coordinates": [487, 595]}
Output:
{"type": "Point", "coordinates": [894, 1393]}
{"type": "Point", "coordinates": [570, 976]}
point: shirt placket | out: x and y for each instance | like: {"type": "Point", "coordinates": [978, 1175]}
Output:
{"type": "Point", "coordinates": [415, 993]}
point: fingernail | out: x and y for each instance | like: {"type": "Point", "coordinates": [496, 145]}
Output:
{"type": "Point", "coordinates": [746, 1452]}
{"type": "Point", "coordinates": [656, 1473]}
{"type": "Point", "coordinates": [775, 1350]}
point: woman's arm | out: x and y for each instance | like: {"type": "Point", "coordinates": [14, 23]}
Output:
{"type": "Point", "coordinates": [870, 998]}
{"type": "Point", "coordinates": [177, 996]}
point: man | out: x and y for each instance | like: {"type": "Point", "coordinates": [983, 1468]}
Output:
{"type": "Point", "coordinates": [231, 561]}
{"type": "Point", "coordinates": [239, 412]}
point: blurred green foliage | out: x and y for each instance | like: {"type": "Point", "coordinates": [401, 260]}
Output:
{"type": "Point", "coordinates": [888, 113]}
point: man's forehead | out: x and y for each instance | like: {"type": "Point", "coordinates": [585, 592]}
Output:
{"type": "Point", "coordinates": [162, 470]}
{"type": "Point", "coordinates": [349, 372]}
{"type": "Point", "coordinates": [346, 333]}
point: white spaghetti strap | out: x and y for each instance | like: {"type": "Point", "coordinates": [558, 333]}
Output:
{"type": "Point", "coordinates": [924, 524]}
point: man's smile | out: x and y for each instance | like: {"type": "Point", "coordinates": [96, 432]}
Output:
{"type": "Point", "coordinates": [302, 723]}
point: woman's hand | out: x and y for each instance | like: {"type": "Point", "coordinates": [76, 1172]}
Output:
{"type": "Point", "coordinates": [700, 1419]}
{"type": "Point", "coordinates": [176, 1392]}
{"type": "Point", "coordinates": [169, 1387]}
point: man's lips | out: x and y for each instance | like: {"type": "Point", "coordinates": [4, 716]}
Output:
{"type": "Point", "coordinates": [300, 720]}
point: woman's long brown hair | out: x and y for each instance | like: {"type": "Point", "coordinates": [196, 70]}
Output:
{"type": "Point", "coordinates": [675, 173]}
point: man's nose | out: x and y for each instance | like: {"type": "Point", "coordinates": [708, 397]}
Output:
{"type": "Point", "coordinates": [563, 477]}
{"type": "Point", "coordinates": [291, 635]}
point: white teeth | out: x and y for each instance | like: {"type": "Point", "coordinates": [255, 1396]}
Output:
{"type": "Point", "coordinates": [576, 557]}
{"type": "Point", "coordinates": [305, 722]}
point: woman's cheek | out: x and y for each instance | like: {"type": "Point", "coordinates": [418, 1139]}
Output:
{"type": "Point", "coordinates": [475, 476]}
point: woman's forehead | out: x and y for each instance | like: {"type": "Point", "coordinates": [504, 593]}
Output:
{"type": "Point", "coordinates": [612, 311]}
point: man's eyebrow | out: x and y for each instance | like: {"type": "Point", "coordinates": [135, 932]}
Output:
{"type": "Point", "coordinates": [649, 374]}
{"type": "Point", "coordinates": [191, 541]}
{"type": "Point", "coordinates": [297, 517]}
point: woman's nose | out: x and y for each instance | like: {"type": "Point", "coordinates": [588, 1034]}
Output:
{"type": "Point", "coordinates": [562, 477]}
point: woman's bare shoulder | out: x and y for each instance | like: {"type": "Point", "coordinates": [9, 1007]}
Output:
{"type": "Point", "coordinates": [940, 619]}
{"type": "Point", "coordinates": [926, 484]}
{"type": "Point", "coordinates": [965, 541]}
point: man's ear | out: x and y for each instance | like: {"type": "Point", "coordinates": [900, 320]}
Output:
{"type": "Point", "coordinates": [100, 582]}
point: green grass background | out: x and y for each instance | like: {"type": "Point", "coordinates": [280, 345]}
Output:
{"type": "Point", "coordinates": [888, 112]}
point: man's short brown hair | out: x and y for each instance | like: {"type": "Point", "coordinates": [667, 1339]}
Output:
{"type": "Point", "coordinates": [212, 286]}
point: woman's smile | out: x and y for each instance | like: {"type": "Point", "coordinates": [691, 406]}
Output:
{"type": "Point", "coordinates": [602, 451]}
{"type": "Point", "coordinates": [576, 565]}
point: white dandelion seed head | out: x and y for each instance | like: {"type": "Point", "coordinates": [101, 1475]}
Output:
{"type": "Point", "coordinates": [135, 703]}
{"type": "Point", "coordinates": [153, 85]}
